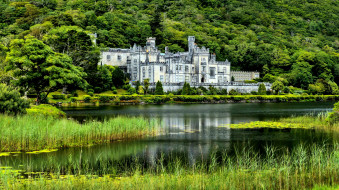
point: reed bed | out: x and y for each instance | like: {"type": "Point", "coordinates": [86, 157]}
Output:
{"type": "Point", "coordinates": [303, 167]}
{"type": "Point", "coordinates": [30, 133]}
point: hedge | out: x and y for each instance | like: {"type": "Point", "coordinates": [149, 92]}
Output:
{"type": "Point", "coordinates": [159, 99]}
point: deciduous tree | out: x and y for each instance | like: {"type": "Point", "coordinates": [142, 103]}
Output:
{"type": "Point", "coordinates": [36, 66]}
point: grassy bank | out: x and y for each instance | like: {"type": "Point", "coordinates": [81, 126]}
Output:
{"type": "Point", "coordinates": [161, 99]}
{"type": "Point", "coordinates": [320, 122]}
{"type": "Point", "coordinates": [29, 133]}
{"type": "Point", "coordinates": [302, 167]}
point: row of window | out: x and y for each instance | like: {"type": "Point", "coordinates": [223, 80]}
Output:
{"type": "Point", "coordinates": [108, 57]}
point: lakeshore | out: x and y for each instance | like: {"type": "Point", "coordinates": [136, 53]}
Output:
{"type": "Point", "coordinates": [105, 99]}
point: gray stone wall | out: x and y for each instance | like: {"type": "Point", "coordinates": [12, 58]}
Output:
{"type": "Point", "coordinates": [238, 86]}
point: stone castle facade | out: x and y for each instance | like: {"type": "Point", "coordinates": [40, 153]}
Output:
{"type": "Point", "coordinates": [196, 66]}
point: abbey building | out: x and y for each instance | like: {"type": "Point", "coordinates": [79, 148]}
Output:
{"type": "Point", "coordinates": [197, 66]}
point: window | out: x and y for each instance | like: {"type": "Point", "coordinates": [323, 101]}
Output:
{"type": "Point", "coordinates": [161, 78]}
{"type": "Point", "coordinates": [135, 61]}
{"type": "Point", "coordinates": [179, 67]}
{"type": "Point", "coordinates": [219, 79]}
{"type": "Point", "coordinates": [181, 78]}
{"type": "Point", "coordinates": [212, 72]}
{"type": "Point", "coordinates": [224, 70]}
{"type": "Point", "coordinates": [135, 69]}
{"type": "Point", "coordinates": [186, 68]}
{"type": "Point", "coordinates": [143, 74]}
{"type": "Point", "coordinates": [187, 78]}
{"type": "Point", "coordinates": [176, 67]}
{"type": "Point", "coordinates": [108, 58]}
{"type": "Point", "coordinates": [119, 57]}
{"type": "Point", "coordinates": [160, 68]}
{"type": "Point", "coordinates": [203, 68]}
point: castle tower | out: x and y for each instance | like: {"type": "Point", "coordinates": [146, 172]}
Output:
{"type": "Point", "coordinates": [191, 41]}
{"type": "Point", "coordinates": [151, 42]}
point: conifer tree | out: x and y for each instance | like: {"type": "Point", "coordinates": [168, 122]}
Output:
{"type": "Point", "coordinates": [186, 89]}
{"type": "Point", "coordinates": [158, 89]}
{"type": "Point", "coordinates": [262, 89]}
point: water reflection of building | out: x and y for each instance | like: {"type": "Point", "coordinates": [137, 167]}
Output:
{"type": "Point", "coordinates": [194, 137]}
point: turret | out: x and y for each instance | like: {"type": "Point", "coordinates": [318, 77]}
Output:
{"type": "Point", "coordinates": [191, 41]}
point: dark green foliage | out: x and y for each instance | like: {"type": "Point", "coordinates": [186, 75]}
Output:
{"type": "Point", "coordinates": [296, 39]}
{"type": "Point", "coordinates": [146, 85]}
{"type": "Point", "coordinates": [126, 86]}
{"type": "Point", "coordinates": [11, 101]}
{"type": "Point", "coordinates": [212, 90]}
{"type": "Point", "coordinates": [97, 89]}
{"type": "Point", "coordinates": [333, 117]}
{"type": "Point", "coordinates": [158, 89]}
{"type": "Point", "coordinates": [131, 90]}
{"type": "Point", "coordinates": [87, 99]}
{"type": "Point", "coordinates": [36, 66]}
{"type": "Point", "coordinates": [137, 84]}
{"type": "Point", "coordinates": [262, 89]}
{"type": "Point", "coordinates": [118, 77]}
{"type": "Point", "coordinates": [277, 86]}
{"type": "Point", "coordinates": [186, 89]}
{"type": "Point", "coordinates": [59, 96]}
{"type": "Point", "coordinates": [233, 92]}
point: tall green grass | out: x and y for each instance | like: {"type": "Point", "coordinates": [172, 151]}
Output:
{"type": "Point", "coordinates": [303, 167]}
{"type": "Point", "coordinates": [29, 133]}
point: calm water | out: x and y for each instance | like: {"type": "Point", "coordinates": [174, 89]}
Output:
{"type": "Point", "coordinates": [191, 133]}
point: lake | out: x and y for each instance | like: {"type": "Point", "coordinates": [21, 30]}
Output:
{"type": "Point", "coordinates": [190, 133]}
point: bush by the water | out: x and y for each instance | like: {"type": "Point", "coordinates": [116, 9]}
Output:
{"type": "Point", "coordinates": [333, 117]}
{"type": "Point", "coordinates": [45, 110]}
{"type": "Point", "coordinates": [11, 101]}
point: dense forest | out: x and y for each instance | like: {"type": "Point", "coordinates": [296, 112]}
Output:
{"type": "Point", "coordinates": [294, 41]}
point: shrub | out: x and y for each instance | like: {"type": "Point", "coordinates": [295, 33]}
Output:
{"type": "Point", "coordinates": [59, 96]}
{"type": "Point", "coordinates": [97, 89]}
{"type": "Point", "coordinates": [105, 99]}
{"type": "Point", "coordinates": [90, 93]}
{"type": "Point", "coordinates": [223, 91]}
{"type": "Point", "coordinates": [115, 92]}
{"type": "Point", "coordinates": [75, 94]}
{"type": "Point", "coordinates": [90, 90]}
{"type": "Point", "coordinates": [126, 86]}
{"type": "Point", "coordinates": [87, 98]}
{"type": "Point", "coordinates": [73, 99]}
{"type": "Point", "coordinates": [131, 90]}
{"type": "Point", "coordinates": [333, 117]}
{"type": "Point", "coordinates": [46, 110]}
{"type": "Point", "coordinates": [113, 88]}
{"type": "Point", "coordinates": [262, 89]}
{"type": "Point", "coordinates": [11, 101]}
{"type": "Point", "coordinates": [233, 92]}
{"type": "Point", "coordinates": [250, 81]}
